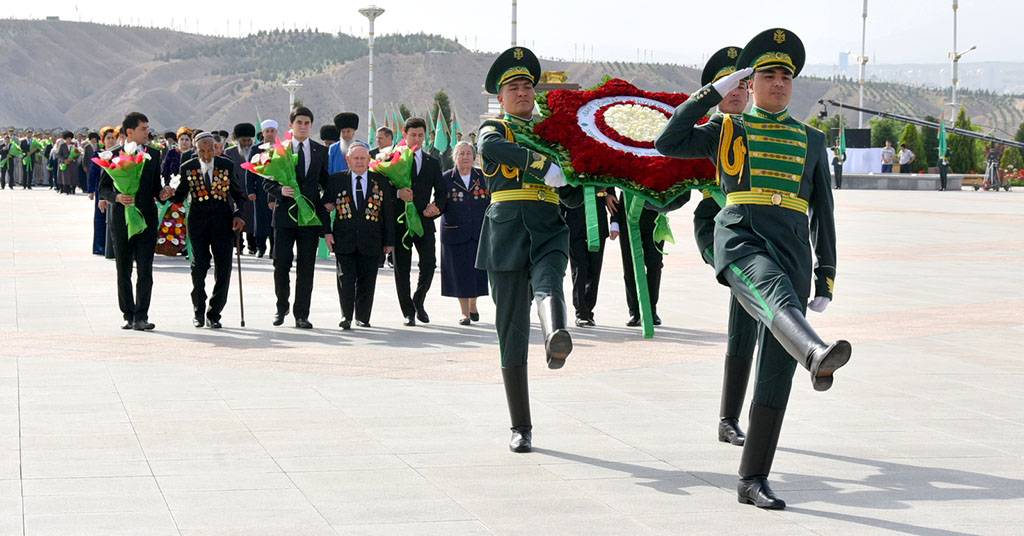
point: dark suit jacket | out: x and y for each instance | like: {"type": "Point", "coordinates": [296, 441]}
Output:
{"type": "Point", "coordinates": [310, 184]}
{"type": "Point", "coordinates": [145, 197]}
{"type": "Point", "coordinates": [464, 207]}
{"type": "Point", "coordinates": [367, 229]}
{"type": "Point", "coordinates": [236, 156]}
{"type": "Point", "coordinates": [214, 203]}
{"type": "Point", "coordinates": [427, 182]}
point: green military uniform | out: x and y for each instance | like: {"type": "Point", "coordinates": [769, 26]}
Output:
{"type": "Point", "coordinates": [774, 173]}
{"type": "Point", "coordinates": [524, 243]}
{"type": "Point", "coordinates": [742, 328]}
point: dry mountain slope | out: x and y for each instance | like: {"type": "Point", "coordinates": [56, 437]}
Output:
{"type": "Point", "coordinates": [66, 74]}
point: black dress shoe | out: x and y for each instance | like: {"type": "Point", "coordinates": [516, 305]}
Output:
{"type": "Point", "coordinates": [362, 323]}
{"type": "Point", "coordinates": [410, 320]}
{"type": "Point", "coordinates": [345, 324]}
{"type": "Point", "coordinates": [143, 325]}
{"type": "Point", "coordinates": [729, 432]}
{"type": "Point", "coordinates": [656, 319]}
{"type": "Point", "coordinates": [127, 324]}
{"type": "Point", "coordinates": [522, 440]}
{"type": "Point", "coordinates": [756, 491]}
{"type": "Point", "coordinates": [465, 321]}
{"type": "Point", "coordinates": [475, 317]}
{"type": "Point", "coordinates": [633, 322]}
{"type": "Point", "coordinates": [279, 318]}
{"type": "Point", "coordinates": [198, 322]}
{"type": "Point", "coordinates": [214, 324]}
{"type": "Point", "coordinates": [422, 316]}
{"type": "Point", "coordinates": [302, 323]}
{"type": "Point", "coordinates": [260, 253]}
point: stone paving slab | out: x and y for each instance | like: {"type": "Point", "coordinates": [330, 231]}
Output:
{"type": "Point", "coordinates": [394, 430]}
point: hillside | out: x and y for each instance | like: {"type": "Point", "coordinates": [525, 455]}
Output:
{"type": "Point", "coordinates": [72, 75]}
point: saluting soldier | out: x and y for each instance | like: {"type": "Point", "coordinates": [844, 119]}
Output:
{"type": "Point", "coordinates": [774, 172]}
{"type": "Point", "coordinates": [215, 212]}
{"type": "Point", "coordinates": [524, 241]}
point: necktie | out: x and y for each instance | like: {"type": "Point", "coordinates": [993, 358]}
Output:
{"type": "Point", "coordinates": [359, 192]}
{"type": "Point", "coordinates": [302, 162]}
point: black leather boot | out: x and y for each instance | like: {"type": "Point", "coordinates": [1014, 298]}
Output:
{"type": "Point", "coordinates": [793, 332]}
{"type": "Point", "coordinates": [734, 388]}
{"type": "Point", "coordinates": [557, 342]}
{"type": "Point", "coordinates": [517, 394]}
{"type": "Point", "coordinates": [758, 454]}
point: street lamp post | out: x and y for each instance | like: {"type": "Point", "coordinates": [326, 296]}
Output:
{"type": "Point", "coordinates": [863, 60]}
{"type": "Point", "coordinates": [291, 87]}
{"type": "Point", "coordinates": [513, 22]}
{"type": "Point", "coordinates": [955, 56]}
{"type": "Point", "coordinates": [371, 13]}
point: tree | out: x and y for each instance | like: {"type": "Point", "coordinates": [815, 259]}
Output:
{"type": "Point", "coordinates": [912, 140]}
{"type": "Point", "coordinates": [1019, 136]}
{"type": "Point", "coordinates": [883, 130]}
{"type": "Point", "coordinates": [964, 157]}
{"type": "Point", "coordinates": [298, 102]}
{"type": "Point", "coordinates": [1011, 158]}
{"type": "Point", "coordinates": [930, 140]}
{"type": "Point", "coordinates": [443, 105]}
{"type": "Point", "coordinates": [403, 110]}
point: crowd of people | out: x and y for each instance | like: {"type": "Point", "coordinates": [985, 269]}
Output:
{"type": "Point", "coordinates": [511, 223]}
{"type": "Point", "coordinates": [458, 197]}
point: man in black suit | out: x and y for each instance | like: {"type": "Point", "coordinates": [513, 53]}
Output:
{"type": "Point", "coordinates": [586, 264]}
{"type": "Point", "coordinates": [5, 147]}
{"type": "Point", "coordinates": [138, 249]}
{"type": "Point", "coordinates": [214, 213]}
{"type": "Point", "coordinates": [385, 139]}
{"type": "Point", "coordinates": [311, 172]}
{"type": "Point", "coordinates": [29, 160]}
{"type": "Point", "coordinates": [426, 181]}
{"type": "Point", "coordinates": [363, 229]}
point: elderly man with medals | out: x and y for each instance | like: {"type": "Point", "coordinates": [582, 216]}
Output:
{"type": "Point", "coordinates": [774, 173]}
{"type": "Point", "coordinates": [524, 242]}
{"type": "Point", "coordinates": [215, 213]}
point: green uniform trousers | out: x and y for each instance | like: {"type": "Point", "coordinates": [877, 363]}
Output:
{"type": "Point", "coordinates": [742, 331]}
{"type": "Point", "coordinates": [762, 288]}
{"type": "Point", "coordinates": [511, 292]}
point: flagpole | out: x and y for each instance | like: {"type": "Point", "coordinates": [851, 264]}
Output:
{"type": "Point", "coordinates": [371, 13]}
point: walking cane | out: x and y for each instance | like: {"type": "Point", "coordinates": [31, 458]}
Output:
{"type": "Point", "coordinates": [238, 257]}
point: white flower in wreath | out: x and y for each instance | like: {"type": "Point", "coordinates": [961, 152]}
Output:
{"type": "Point", "coordinates": [638, 123]}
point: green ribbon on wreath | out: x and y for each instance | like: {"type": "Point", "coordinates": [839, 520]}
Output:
{"type": "Point", "coordinates": [634, 207]}
{"type": "Point", "coordinates": [593, 229]}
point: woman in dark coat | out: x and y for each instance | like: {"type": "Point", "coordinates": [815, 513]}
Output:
{"type": "Point", "coordinates": [460, 232]}
{"type": "Point", "coordinates": [99, 218]}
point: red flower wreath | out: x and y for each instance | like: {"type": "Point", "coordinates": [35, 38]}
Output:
{"type": "Point", "coordinates": [595, 158]}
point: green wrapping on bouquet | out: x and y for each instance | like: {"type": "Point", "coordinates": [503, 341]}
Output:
{"type": "Point", "coordinates": [398, 170]}
{"type": "Point", "coordinates": [126, 181]}
{"type": "Point", "coordinates": [593, 228]}
{"type": "Point", "coordinates": [411, 218]}
{"type": "Point", "coordinates": [634, 207]}
{"type": "Point", "coordinates": [662, 231]}
{"type": "Point", "coordinates": [321, 249]}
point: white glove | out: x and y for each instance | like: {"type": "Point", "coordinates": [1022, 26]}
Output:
{"type": "Point", "coordinates": [818, 304]}
{"type": "Point", "coordinates": [730, 82]}
{"type": "Point", "coordinates": [554, 177]}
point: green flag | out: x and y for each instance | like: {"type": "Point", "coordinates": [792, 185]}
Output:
{"type": "Point", "coordinates": [399, 127]}
{"type": "Point", "coordinates": [440, 136]}
{"type": "Point", "coordinates": [942, 136]}
{"type": "Point", "coordinates": [842, 134]}
{"type": "Point", "coordinates": [456, 128]}
{"type": "Point", "coordinates": [427, 141]}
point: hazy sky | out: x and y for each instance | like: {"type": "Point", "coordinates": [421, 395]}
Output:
{"type": "Point", "coordinates": [898, 31]}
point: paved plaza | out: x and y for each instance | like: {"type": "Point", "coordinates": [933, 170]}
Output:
{"type": "Point", "coordinates": [394, 430]}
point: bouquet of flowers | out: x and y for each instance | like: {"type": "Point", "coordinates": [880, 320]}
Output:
{"type": "Point", "coordinates": [37, 146]}
{"type": "Point", "coordinates": [277, 163]}
{"type": "Point", "coordinates": [396, 164]}
{"type": "Point", "coordinates": [13, 152]}
{"type": "Point", "coordinates": [74, 154]}
{"type": "Point", "coordinates": [126, 171]}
